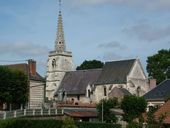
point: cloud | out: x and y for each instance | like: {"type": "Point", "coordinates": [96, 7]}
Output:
{"type": "Point", "coordinates": [23, 49]}
{"type": "Point", "coordinates": [111, 45]}
{"type": "Point", "coordinates": [110, 56]}
{"type": "Point", "coordinates": [147, 32]}
{"type": "Point", "coordinates": [145, 4]}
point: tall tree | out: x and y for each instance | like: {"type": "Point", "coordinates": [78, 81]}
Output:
{"type": "Point", "coordinates": [158, 65]}
{"type": "Point", "coordinates": [91, 64]}
{"type": "Point", "coordinates": [103, 108]}
{"type": "Point", "coordinates": [133, 107]}
{"type": "Point", "coordinates": [13, 87]}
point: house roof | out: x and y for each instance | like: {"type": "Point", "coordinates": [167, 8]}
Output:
{"type": "Point", "coordinates": [160, 92]}
{"type": "Point", "coordinates": [116, 92]}
{"type": "Point", "coordinates": [75, 82]}
{"type": "Point", "coordinates": [81, 112]}
{"type": "Point", "coordinates": [25, 69]}
{"type": "Point", "coordinates": [115, 72]}
{"type": "Point", "coordinates": [165, 109]}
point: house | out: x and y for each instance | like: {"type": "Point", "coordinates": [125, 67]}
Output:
{"type": "Point", "coordinates": [164, 110]}
{"type": "Point", "coordinates": [36, 83]}
{"type": "Point", "coordinates": [115, 79]}
{"type": "Point", "coordinates": [119, 93]}
{"type": "Point", "coordinates": [159, 94]}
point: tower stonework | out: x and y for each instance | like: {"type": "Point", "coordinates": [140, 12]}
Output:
{"type": "Point", "coordinates": [59, 62]}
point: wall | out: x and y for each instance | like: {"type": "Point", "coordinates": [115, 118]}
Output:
{"type": "Point", "coordinates": [137, 81]}
{"type": "Point", "coordinates": [36, 94]}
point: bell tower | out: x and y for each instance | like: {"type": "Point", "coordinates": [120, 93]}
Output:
{"type": "Point", "coordinates": [59, 61]}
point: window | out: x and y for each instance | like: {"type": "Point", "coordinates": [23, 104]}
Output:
{"type": "Point", "coordinates": [105, 91]}
{"type": "Point", "coordinates": [53, 63]}
{"type": "Point", "coordinates": [78, 97]}
{"type": "Point", "coordinates": [89, 93]}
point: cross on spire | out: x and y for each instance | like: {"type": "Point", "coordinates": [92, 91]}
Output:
{"type": "Point", "coordinates": [59, 5]}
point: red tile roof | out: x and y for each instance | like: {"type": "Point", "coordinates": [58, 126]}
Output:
{"type": "Point", "coordinates": [82, 114]}
{"type": "Point", "coordinates": [25, 69]}
{"type": "Point", "coordinates": [165, 109]}
{"type": "Point", "coordinates": [79, 105]}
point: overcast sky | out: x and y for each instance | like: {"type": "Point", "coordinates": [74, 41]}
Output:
{"type": "Point", "coordinates": [94, 29]}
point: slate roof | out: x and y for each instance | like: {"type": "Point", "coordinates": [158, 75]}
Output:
{"type": "Point", "coordinates": [160, 92]}
{"type": "Point", "coordinates": [75, 82]}
{"type": "Point", "coordinates": [25, 69]}
{"type": "Point", "coordinates": [115, 72]}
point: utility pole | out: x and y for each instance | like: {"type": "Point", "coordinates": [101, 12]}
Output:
{"type": "Point", "coordinates": [102, 110]}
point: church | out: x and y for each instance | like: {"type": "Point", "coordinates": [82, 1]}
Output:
{"type": "Point", "coordinates": [115, 79]}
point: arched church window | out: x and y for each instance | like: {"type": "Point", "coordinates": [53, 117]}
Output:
{"type": "Point", "coordinates": [53, 63]}
{"type": "Point", "coordinates": [88, 93]}
{"type": "Point", "coordinates": [105, 91]}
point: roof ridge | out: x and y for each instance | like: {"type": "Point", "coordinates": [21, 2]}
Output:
{"type": "Point", "coordinates": [120, 60]}
{"type": "Point", "coordinates": [96, 69]}
{"type": "Point", "coordinates": [15, 64]}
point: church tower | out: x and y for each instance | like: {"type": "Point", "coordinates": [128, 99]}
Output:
{"type": "Point", "coordinates": [59, 61]}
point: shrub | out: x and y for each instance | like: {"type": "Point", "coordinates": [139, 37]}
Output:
{"type": "Point", "coordinates": [51, 123]}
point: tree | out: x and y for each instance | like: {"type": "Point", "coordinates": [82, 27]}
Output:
{"type": "Point", "coordinates": [158, 65]}
{"type": "Point", "coordinates": [91, 64]}
{"type": "Point", "coordinates": [133, 107]}
{"type": "Point", "coordinates": [13, 87]}
{"type": "Point", "coordinates": [105, 106]}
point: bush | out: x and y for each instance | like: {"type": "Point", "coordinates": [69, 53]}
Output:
{"type": "Point", "coordinates": [134, 125]}
{"type": "Point", "coordinates": [97, 125]}
{"type": "Point", "coordinates": [44, 123]}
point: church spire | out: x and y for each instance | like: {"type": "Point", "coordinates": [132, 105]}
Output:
{"type": "Point", "coordinates": [60, 42]}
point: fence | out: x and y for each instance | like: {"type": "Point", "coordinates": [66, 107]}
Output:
{"type": "Point", "coordinates": [31, 112]}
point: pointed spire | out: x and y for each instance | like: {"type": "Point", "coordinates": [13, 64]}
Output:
{"type": "Point", "coordinates": [60, 42]}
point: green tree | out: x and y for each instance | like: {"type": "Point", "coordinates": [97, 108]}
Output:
{"type": "Point", "coordinates": [68, 123]}
{"type": "Point", "coordinates": [133, 107]}
{"type": "Point", "coordinates": [158, 65]}
{"type": "Point", "coordinates": [91, 64]}
{"type": "Point", "coordinates": [104, 107]}
{"type": "Point", "coordinates": [13, 87]}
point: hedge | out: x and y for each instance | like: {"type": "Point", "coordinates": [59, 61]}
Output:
{"type": "Point", "coordinates": [28, 123]}
{"type": "Point", "coordinates": [97, 125]}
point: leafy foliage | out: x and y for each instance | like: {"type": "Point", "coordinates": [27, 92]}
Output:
{"type": "Point", "coordinates": [68, 123]}
{"type": "Point", "coordinates": [13, 87]}
{"type": "Point", "coordinates": [134, 125]}
{"type": "Point", "coordinates": [91, 64]}
{"type": "Point", "coordinates": [158, 65]}
{"type": "Point", "coordinates": [51, 123]}
{"type": "Point", "coordinates": [133, 107]}
{"type": "Point", "coordinates": [108, 116]}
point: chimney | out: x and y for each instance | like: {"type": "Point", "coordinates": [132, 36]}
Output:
{"type": "Point", "coordinates": [152, 83]}
{"type": "Point", "coordinates": [32, 67]}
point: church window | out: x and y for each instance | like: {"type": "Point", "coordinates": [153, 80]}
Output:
{"type": "Point", "coordinates": [53, 63]}
{"type": "Point", "coordinates": [105, 91]}
{"type": "Point", "coordinates": [89, 93]}
{"type": "Point", "coordinates": [78, 97]}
